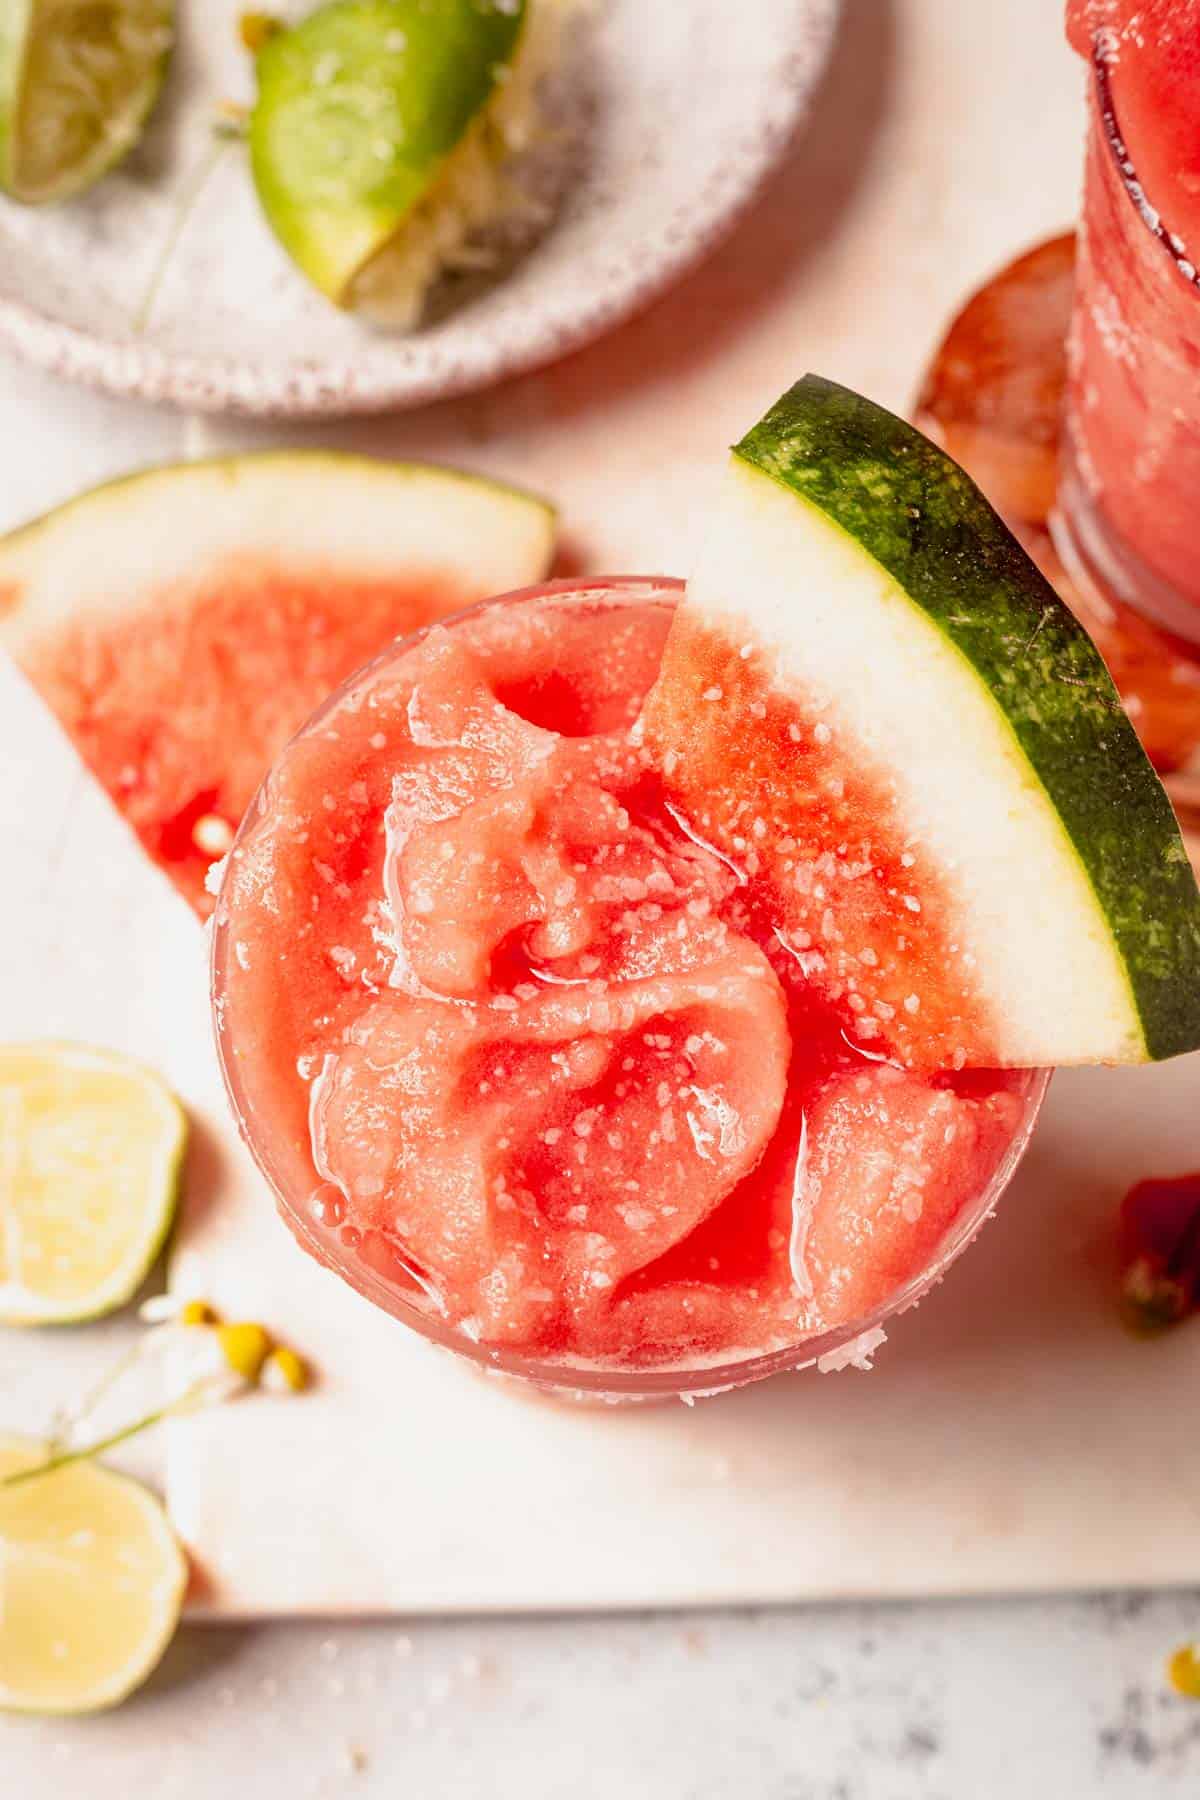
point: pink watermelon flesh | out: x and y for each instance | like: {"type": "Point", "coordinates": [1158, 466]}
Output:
{"type": "Point", "coordinates": [850, 889]}
{"type": "Point", "coordinates": [180, 703]}
{"type": "Point", "coordinates": [531, 1057]}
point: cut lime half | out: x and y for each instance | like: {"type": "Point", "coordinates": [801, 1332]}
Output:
{"type": "Point", "coordinates": [360, 108]}
{"type": "Point", "coordinates": [92, 1580]}
{"type": "Point", "coordinates": [77, 81]}
{"type": "Point", "coordinates": [91, 1151]}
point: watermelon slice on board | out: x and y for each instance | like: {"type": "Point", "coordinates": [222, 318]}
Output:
{"type": "Point", "coordinates": [182, 623]}
{"type": "Point", "coordinates": [872, 699]}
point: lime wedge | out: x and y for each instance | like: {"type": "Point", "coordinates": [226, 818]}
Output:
{"type": "Point", "coordinates": [359, 109]}
{"type": "Point", "coordinates": [77, 81]}
{"type": "Point", "coordinates": [91, 1150]}
{"type": "Point", "coordinates": [91, 1584]}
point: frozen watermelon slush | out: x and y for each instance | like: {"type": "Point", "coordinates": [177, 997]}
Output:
{"type": "Point", "coordinates": [636, 987]}
{"type": "Point", "coordinates": [530, 1063]}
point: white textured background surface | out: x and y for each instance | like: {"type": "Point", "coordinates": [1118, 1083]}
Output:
{"type": "Point", "coordinates": [947, 135]}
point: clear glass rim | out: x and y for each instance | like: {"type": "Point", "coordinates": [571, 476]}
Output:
{"type": "Point", "coordinates": [583, 1380]}
{"type": "Point", "coordinates": [1126, 171]}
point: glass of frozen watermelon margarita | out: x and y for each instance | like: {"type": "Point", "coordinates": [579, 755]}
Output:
{"type": "Point", "coordinates": [530, 1064]}
{"type": "Point", "coordinates": [1130, 472]}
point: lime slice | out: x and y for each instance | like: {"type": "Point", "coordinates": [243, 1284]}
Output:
{"type": "Point", "coordinates": [359, 109]}
{"type": "Point", "coordinates": [91, 1583]}
{"type": "Point", "coordinates": [91, 1149]}
{"type": "Point", "coordinates": [77, 81]}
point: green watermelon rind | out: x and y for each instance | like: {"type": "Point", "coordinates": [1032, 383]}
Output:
{"type": "Point", "coordinates": [931, 531]}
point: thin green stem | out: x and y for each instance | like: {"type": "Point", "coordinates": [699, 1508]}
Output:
{"type": "Point", "coordinates": [188, 201]}
{"type": "Point", "coordinates": [71, 1417]}
{"type": "Point", "coordinates": [190, 1398]}
{"type": "Point", "coordinates": [63, 1458]}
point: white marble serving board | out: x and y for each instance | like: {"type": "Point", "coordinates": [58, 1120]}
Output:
{"type": "Point", "coordinates": [1011, 1436]}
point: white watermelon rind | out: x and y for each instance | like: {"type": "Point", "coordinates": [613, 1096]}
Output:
{"type": "Point", "coordinates": [100, 554]}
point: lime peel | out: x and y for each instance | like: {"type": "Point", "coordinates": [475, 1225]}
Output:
{"type": "Point", "coordinates": [92, 1147]}
{"type": "Point", "coordinates": [77, 84]}
{"type": "Point", "coordinates": [94, 1581]}
{"type": "Point", "coordinates": [380, 133]}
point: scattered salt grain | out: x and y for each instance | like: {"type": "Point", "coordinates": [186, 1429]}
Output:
{"type": "Point", "coordinates": [214, 877]}
{"type": "Point", "coordinates": [638, 1218]}
{"type": "Point", "coordinates": [859, 1353]}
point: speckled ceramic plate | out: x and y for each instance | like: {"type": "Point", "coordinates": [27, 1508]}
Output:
{"type": "Point", "coordinates": [677, 108]}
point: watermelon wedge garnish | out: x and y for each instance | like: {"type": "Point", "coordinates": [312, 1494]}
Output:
{"type": "Point", "coordinates": [183, 623]}
{"type": "Point", "coordinates": [872, 699]}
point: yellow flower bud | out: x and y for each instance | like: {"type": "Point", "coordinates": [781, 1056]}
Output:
{"type": "Point", "coordinates": [245, 1347]}
{"type": "Point", "coordinates": [197, 1312]}
{"type": "Point", "coordinates": [285, 1370]}
{"type": "Point", "coordinates": [1184, 1671]}
{"type": "Point", "coordinates": [255, 29]}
